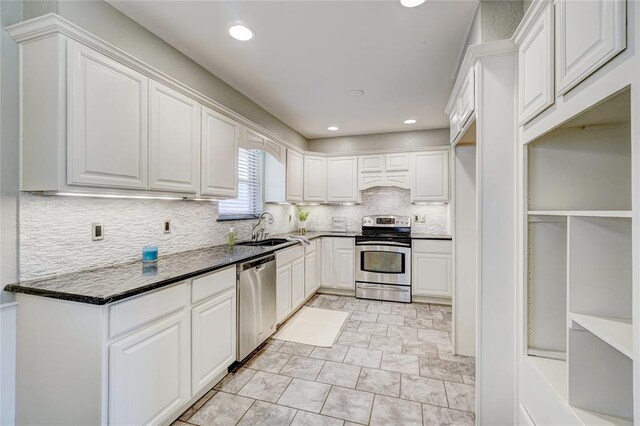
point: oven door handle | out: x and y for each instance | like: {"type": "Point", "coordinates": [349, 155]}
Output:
{"type": "Point", "coordinates": [382, 287]}
{"type": "Point", "coordinates": [382, 243]}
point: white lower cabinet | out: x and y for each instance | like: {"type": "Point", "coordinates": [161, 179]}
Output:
{"type": "Point", "coordinates": [338, 263]}
{"type": "Point", "coordinates": [138, 361]}
{"type": "Point", "coordinates": [149, 373]}
{"type": "Point", "coordinates": [283, 292]}
{"type": "Point", "coordinates": [310, 273]}
{"type": "Point", "coordinates": [297, 282]}
{"type": "Point", "coordinates": [213, 338]}
{"type": "Point", "coordinates": [432, 266]}
{"type": "Point", "coordinates": [290, 281]}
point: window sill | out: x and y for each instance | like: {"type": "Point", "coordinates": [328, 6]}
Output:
{"type": "Point", "coordinates": [236, 217]}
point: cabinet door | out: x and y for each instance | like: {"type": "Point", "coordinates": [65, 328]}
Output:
{"type": "Point", "coordinates": [108, 112]}
{"type": "Point", "coordinates": [342, 176]}
{"type": "Point", "coordinates": [535, 67]}
{"type": "Point", "coordinates": [327, 263]}
{"type": "Point", "coordinates": [588, 34]}
{"type": "Point", "coordinates": [295, 166]}
{"type": "Point", "coordinates": [149, 373]}
{"type": "Point", "coordinates": [397, 162]}
{"type": "Point", "coordinates": [431, 274]}
{"type": "Point", "coordinates": [220, 136]}
{"type": "Point", "coordinates": [174, 141]}
{"type": "Point", "coordinates": [344, 263]}
{"type": "Point", "coordinates": [310, 273]}
{"type": "Point", "coordinates": [431, 176]}
{"type": "Point", "coordinates": [213, 338]}
{"type": "Point", "coordinates": [283, 291]}
{"type": "Point", "coordinates": [467, 98]}
{"type": "Point", "coordinates": [297, 283]}
{"type": "Point", "coordinates": [371, 163]}
{"type": "Point", "coordinates": [314, 178]}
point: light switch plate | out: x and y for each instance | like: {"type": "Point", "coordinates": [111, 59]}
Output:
{"type": "Point", "coordinates": [166, 226]}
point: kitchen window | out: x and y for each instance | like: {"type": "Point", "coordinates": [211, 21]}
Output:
{"type": "Point", "coordinates": [249, 203]}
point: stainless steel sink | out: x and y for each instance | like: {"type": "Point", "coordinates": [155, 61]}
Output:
{"type": "Point", "coordinates": [269, 242]}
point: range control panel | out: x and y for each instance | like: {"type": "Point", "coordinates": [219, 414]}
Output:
{"type": "Point", "coordinates": [386, 221]}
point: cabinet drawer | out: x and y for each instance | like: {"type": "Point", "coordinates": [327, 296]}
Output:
{"type": "Point", "coordinates": [289, 255]}
{"type": "Point", "coordinates": [311, 247]}
{"type": "Point", "coordinates": [432, 246]}
{"type": "Point", "coordinates": [206, 286]}
{"type": "Point", "coordinates": [130, 314]}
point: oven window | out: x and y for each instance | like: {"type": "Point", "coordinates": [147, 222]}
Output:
{"type": "Point", "coordinates": [383, 262]}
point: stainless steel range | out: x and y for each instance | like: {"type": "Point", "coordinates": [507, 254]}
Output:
{"type": "Point", "coordinates": [383, 259]}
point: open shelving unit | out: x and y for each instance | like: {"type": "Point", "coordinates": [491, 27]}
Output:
{"type": "Point", "coordinates": [579, 262]}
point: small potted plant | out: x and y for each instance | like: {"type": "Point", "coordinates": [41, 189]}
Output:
{"type": "Point", "coordinates": [302, 220]}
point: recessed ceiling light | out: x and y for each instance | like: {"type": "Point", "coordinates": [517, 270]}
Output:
{"type": "Point", "coordinates": [240, 32]}
{"type": "Point", "coordinates": [333, 128]}
{"type": "Point", "coordinates": [411, 3]}
{"type": "Point", "coordinates": [410, 121]}
{"type": "Point", "coordinates": [356, 93]}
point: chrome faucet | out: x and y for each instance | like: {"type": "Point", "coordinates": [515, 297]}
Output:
{"type": "Point", "coordinates": [260, 234]}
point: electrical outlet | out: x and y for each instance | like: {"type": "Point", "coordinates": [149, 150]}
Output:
{"type": "Point", "coordinates": [416, 218]}
{"type": "Point", "coordinates": [423, 218]}
{"type": "Point", "coordinates": [166, 226]}
{"type": "Point", "coordinates": [97, 231]}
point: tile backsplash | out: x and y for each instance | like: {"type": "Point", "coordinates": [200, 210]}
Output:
{"type": "Point", "coordinates": [379, 201]}
{"type": "Point", "coordinates": [55, 232]}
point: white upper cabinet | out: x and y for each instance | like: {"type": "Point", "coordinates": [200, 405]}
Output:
{"type": "Point", "coordinates": [371, 163]}
{"type": "Point", "coordinates": [535, 66]}
{"type": "Point", "coordinates": [315, 181]}
{"type": "Point", "coordinates": [174, 141]}
{"type": "Point", "coordinates": [342, 179]}
{"type": "Point", "coordinates": [295, 173]}
{"type": "Point", "coordinates": [220, 136]}
{"type": "Point", "coordinates": [397, 162]}
{"type": "Point", "coordinates": [384, 170]}
{"type": "Point", "coordinates": [454, 121]}
{"type": "Point", "coordinates": [108, 111]}
{"type": "Point", "coordinates": [430, 177]}
{"type": "Point", "coordinates": [588, 34]}
{"type": "Point", "coordinates": [467, 98]}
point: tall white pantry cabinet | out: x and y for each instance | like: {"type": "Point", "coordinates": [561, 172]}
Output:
{"type": "Point", "coordinates": [578, 213]}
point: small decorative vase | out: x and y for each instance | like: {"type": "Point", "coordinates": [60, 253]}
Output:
{"type": "Point", "coordinates": [302, 227]}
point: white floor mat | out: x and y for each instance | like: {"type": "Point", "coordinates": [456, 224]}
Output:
{"type": "Point", "coordinates": [313, 326]}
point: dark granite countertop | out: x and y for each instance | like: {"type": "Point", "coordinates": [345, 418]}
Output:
{"type": "Point", "coordinates": [110, 284]}
{"type": "Point", "coordinates": [424, 236]}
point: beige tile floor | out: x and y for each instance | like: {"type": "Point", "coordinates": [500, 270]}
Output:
{"type": "Point", "coordinates": [391, 364]}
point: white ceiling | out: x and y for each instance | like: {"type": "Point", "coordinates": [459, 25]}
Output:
{"type": "Point", "coordinates": [308, 55]}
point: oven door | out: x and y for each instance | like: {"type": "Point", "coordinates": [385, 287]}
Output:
{"type": "Point", "coordinates": [383, 262]}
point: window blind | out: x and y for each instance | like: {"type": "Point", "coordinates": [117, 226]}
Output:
{"type": "Point", "coordinates": [249, 202]}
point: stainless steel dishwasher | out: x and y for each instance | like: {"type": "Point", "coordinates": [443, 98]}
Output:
{"type": "Point", "coordinates": [256, 303]}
